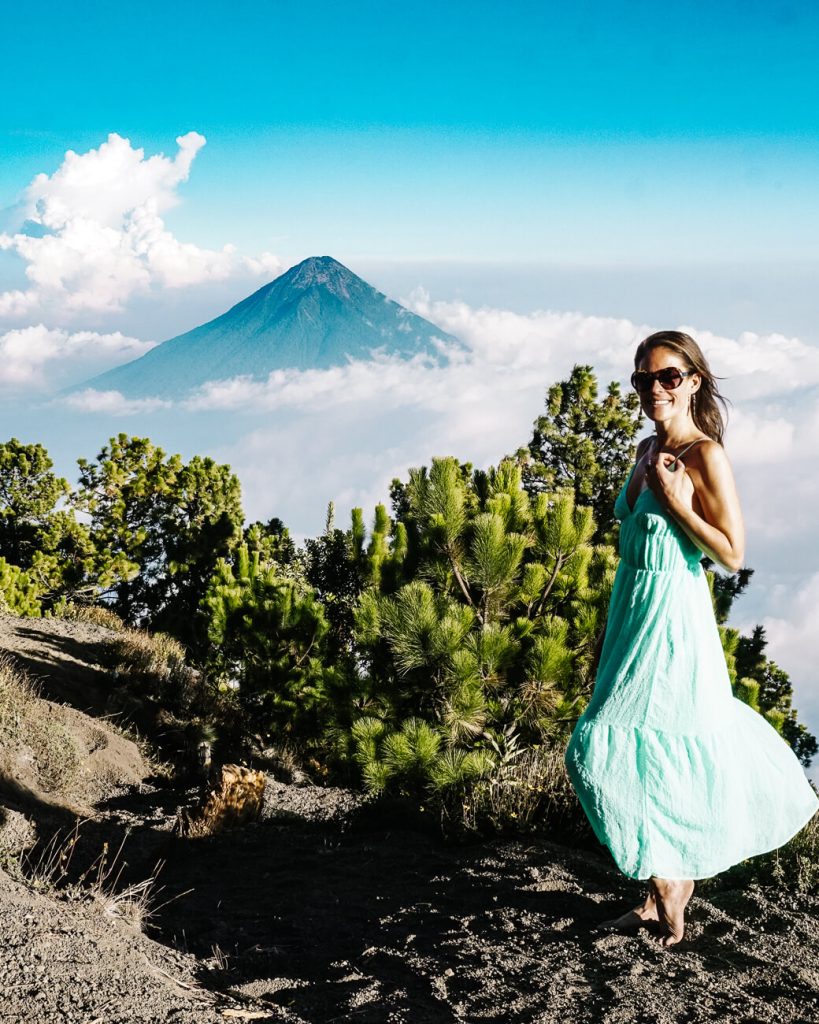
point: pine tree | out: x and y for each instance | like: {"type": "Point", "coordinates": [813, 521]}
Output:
{"type": "Point", "coordinates": [268, 637]}
{"type": "Point", "coordinates": [29, 495]}
{"type": "Point", "coordinates": [487, 641]}
{"type": "Point", "coordinates": [18, 593]}
{"type": "Point", "coordinates": [583, 444]}
{"type": "Point", "coordinates": [763, 685]}
{"type": "Point", "coordinates": [168, 521]}
{"type": "Point", "coordinates": [40, 535]}
{"type": "Point", "coordinates": [773, 692]}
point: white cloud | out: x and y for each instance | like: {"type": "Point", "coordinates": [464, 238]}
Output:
{"type": "Point", "coordinates": [381, 380]}
{"type": "Point", "coordinates": [793, 629]}
{"type": "Point", "coordinates": [521, 341]}
{"type": "Point", "coordinates": [759, 365]}
{"type": "Point", "coordinates": [513, 358]}
{"type": "Point", "coordinates": [755, 365]}
{"type": "Point", "coordinates": [96, 236]}
{"type": "Point", "coordinates": [113, 402]}
{"type": "Point", "coordinates": [42, 358]}
{"type": "Point", "coordinates": [482, 404]}
{"type": "Point", "coordinates": [790, 614]}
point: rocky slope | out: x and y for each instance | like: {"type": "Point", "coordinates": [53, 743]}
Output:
{"type": "Point", "coordinates": [333, 908]}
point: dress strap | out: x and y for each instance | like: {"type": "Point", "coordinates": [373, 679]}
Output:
{"type": "Point", "coordinates": [674, 462]}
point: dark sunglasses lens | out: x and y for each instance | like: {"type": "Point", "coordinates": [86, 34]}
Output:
{"type": "Point", "coordinates": [670, 377]}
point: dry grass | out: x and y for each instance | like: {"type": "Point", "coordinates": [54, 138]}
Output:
{"type": "Point", "coordinates": [98, 884]}
{"type": "Point", "coordinates": [173, 703]}
{"type": "Point", "coordinates": [49, 871]}
{"type": "Point", "coordinates": [92, 613]}
{"type": "Point", "coordinates": [16, 693]}
{"type": "Point", "coordinates": [154, 654]}
{"type": "Point", "coordinates": [531, 792]}
{"type": "Point", "coordinates": [233, 799]}
{"type": "Point", "coordinates": [30, 731]}
{"type": "Point", "coordinates": [153, 665]}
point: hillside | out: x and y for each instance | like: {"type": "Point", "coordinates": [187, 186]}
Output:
{"type": "Point", "coordinates": [316, 315]}
{"type": "Point", "coordinates": [334, 907]}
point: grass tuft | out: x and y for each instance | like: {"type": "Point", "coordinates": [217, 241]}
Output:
{"type": "Point", "coordinates": [93, 613]}
{"type": "Point", "coordinates": [29, 730]}
{"type": "Point", "coordinates": [49, 871]}
{"type": "Point", "coordinates": [528, 793]}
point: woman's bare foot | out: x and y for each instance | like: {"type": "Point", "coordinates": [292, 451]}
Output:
{"type": "Point", "coordinates": [672, 898]}
{"type": "Point", "coordinates": [636, 918]}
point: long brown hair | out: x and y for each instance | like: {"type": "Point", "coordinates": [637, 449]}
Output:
{"type": "Point", "coordinates": [705, 412]}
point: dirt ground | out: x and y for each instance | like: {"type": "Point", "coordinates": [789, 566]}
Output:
{"type": "Point", "coordinates": [336, 908]}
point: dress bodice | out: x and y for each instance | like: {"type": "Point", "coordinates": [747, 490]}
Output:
{"type": "Point", "coordinates": [650, 537]}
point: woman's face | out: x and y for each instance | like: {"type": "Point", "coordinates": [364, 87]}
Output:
{"type": "Point", "coordinates": [657, 403]}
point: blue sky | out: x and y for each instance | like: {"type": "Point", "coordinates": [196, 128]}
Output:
{"type": "Point", "coordinates": [536, 132]}
{"type": "Point", "coordinates": [578, 70]}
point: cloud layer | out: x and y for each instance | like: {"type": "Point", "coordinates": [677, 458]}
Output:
{"type": "Point", "coordinates": [93, 234]}
{"type": "Point", "coordinates": [43, 359]}
{"type": "Point", "coordinates": [112, 402]}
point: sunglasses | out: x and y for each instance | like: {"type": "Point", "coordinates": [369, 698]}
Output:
{"type": "Point", "coordinates": [670, 377]}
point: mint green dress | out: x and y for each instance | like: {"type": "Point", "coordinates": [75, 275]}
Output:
{"type": "Point", "coordinates": [679, 778]}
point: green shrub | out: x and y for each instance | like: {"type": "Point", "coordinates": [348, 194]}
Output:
{"type": "Point", "coordinates": [18, 592]}
{"type": "Point", "coordinates": [268, 649]}
{"type": "Point", "coordinates": [479, 661]}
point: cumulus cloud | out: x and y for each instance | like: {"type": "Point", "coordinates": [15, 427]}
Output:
{"type": "Point", "coordinates": [113, 402]}
{"type": "Point", "coordinates": [760, 365]}
{"type": "Point", "coordinates": [512, 358]}
{"type": "Point", "coordinates": [94, 235]}
{"type": "Point", "coordinates": [381, 380]}
{"type": "Point", "coordinates": [755, 365]}
{"type": "Point", "coordinates": [43, 358]}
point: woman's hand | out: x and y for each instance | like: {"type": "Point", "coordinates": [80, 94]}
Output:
{"type": "Point", "coordinates": [669, 485]}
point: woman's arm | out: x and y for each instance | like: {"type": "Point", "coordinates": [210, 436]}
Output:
{"type": "Point", "coordinates": [719, 532]}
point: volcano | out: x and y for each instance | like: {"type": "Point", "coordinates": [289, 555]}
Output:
{"type": "Point", "coordinates": [316, 315]}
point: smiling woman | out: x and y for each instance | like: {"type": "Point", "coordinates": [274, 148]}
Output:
{"type": "Point", "coordinates": [678, 777]}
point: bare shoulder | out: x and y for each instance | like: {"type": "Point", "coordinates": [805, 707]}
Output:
{"type": "Point", "coordinates": [711, 459]}
{"type": "Point", "coordinates": [713, 479]}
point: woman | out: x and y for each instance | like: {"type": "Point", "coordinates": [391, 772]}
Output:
{"type": "Point", "coordinates": [679, 778]}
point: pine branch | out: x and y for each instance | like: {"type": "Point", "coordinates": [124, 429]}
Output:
{"type": "Point", "coordinates": [462, 584]}
{"type": "Point", "coordinates": [559, 562]}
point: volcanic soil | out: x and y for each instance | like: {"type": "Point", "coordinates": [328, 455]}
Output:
{"type": "Point", "coordinates": [335, 907]}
